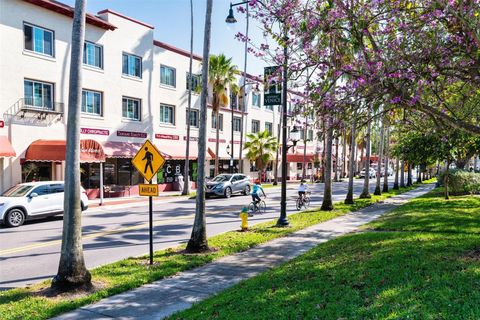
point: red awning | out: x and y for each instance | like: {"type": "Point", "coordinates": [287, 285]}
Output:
{"type": "Point", "coordinates": [54, 150]}
{"type": "Point", "coordinates": [298, 157]}
{"type": "Point", "coordinates": [222, 151]}
{"type": "Point", "coordinates": [6, 149]}
{"type": "Point", "coordinates": [117, 149]}
{"type": "Point", "coordinates": [372, 158]}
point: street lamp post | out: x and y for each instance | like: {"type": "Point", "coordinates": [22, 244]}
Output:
{"type": "Point", "coordinates": [282, 221]}
{"type": "Point", "coordinates": [230, 153]}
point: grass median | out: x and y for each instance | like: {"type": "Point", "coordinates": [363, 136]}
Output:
{"type": "Point", "coordinates": [422, 261]}
{"type": "Point", "coordinates": [117, 277]}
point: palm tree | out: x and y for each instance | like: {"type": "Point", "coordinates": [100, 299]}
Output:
{"type": "Point", "coordinates": [186, 186]}
{"type": "Point", "coordinates": [351, 169]}
{"type": "Point", "coordinates": [221, 75]}
{"type": "Point", "coordinates": [327, 203]}
{"type": "Point", "coordinates": [385, 152]}
{"type": "Point", "coordinates": [261, 147]}
{"type": "Point", "coordinates": [198, 239]}
{"type": "Point", "coordinates": [378, 191]}
{"type": "Point", "coordinates": [72, 273]}
{"type": "Point", "coordinates": [397, 167]}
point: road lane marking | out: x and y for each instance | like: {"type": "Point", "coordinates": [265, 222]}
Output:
{"type": "Point", "coordinates": [103, 233]}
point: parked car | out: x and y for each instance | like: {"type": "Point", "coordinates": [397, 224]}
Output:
{"type": "Point", "coordinates": [372, 173]}
{"type": "Point", "coordinates": [227, 184]}
{"type": "Point", "coordinates": [34, 200]}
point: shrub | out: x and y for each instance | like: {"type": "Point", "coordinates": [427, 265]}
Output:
{"type": "Point", "coordinates": [461, 182]}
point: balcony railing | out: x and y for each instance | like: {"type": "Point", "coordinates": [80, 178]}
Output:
{"type": "Point", "coordinates": [36, 106]}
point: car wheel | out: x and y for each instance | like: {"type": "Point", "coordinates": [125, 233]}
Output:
{"type": "Point", "coordinates": [228, 192]}
{"type": "Point", "coordinates": [82, 206]}
{"type": "Point", "coordinates": [15, 217]}
{"type": "Point", "coordinates": [246, 191]}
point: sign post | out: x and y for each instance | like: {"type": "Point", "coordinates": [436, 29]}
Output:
{"type": "Point", "coordinates": [148, 161]}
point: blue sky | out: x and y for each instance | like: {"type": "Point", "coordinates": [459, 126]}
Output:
{"type": "Point", "coordinates": [171, 19]}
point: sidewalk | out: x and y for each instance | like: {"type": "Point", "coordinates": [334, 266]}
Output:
{"type": "Point", "coordinates": [165, 297]}
{"type": "Point", "coordinates": [95, 203]}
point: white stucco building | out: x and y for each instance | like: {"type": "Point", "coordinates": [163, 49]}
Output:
{"type": "Point", "coordinates": [134, 88]}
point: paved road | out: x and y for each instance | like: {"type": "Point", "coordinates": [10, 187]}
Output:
{"type": "Point", "coordinates": [30, 253]}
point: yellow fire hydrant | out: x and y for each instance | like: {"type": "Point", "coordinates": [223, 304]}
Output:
{"type": "Point", "coordinates": [244, 217]}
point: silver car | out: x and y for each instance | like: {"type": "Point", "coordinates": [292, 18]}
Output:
{"type": "Point", "coordinates": [227, 184]}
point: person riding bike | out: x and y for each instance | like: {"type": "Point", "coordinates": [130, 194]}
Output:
{"type": "Point", "coordinates": [255, 192]}
{"type": "Point", "coordinates": [302, 189]}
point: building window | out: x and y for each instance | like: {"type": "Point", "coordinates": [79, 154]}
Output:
{"type": "Point", "coordinates": [214, 121]}
{"type": "Point", "coordinates": [38, 39]}
{"type": "Point", "coordinates": [255, 126]}
{"type": "Point", "coordinates": [131, 65]}
{"type": "Point", "coordinates": [92, 102]}
{"type": "Point", "coordinates": [167, 76]}
{"type": "Point", "coordinates": [38, 94]}
{"type": "Point", "coordinates": [256, 100]}
{"type": "Point", "coordinates": [269, 127]}
{"type": "Point", "coordinates": [310, 135]}
{"type": "Point", "coordinates": [196, 81]}
{"type": "Point", "coordinates": [233, 101]}
{"type": "Point", "coordinates": [92, 55]}
{"type": "Point", "coordinates": [237, 124]}
{"type": "Point", "coordinates": [302, 134]}
{"type": "Point", "coordinates": [269, 108]}
{"type": "Point", "coordinates": [131, 109]}
{"type": "Point", "coordinates": [194, 114]}
{"type": "Point", "coordinates": [167, 114]}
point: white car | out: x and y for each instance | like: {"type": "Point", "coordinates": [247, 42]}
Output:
{"type": "Point", "coordinates": [372, 173]}
{"type": "Point", "coordinates": [34, 200]}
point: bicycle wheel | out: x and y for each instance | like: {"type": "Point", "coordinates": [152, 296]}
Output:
{"type": "Point", "coordinates": [262, 207]}
{"type": "Point", "coordinates": [251, 207]}
{"type": "Point", "coordinates": [306, 202]}
{"type": "Point", "coordinates": [299, 203]}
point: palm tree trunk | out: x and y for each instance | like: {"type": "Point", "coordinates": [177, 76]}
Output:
{"type": "Point", "coordinates": [327, 203]}
{"type": "Point", "coordinates": [336, 160]}
{"type": "Point", "coordinates": [366, 193]}
{"type": "Point", "coordinates": [361, 157]}
{"type": "Point", "coordinates": [402, 174]}
{"type": "Point", "coordinates": [378, 191]}
{"type": "Point", "coordinates": [397, 165]}
{"type": "Point", "coordinates": [445, 180]}
{"type": "Point", "coordinates": [198, 239]}
{"type": "Point", "coordinates": [353, 145]}
{"type": "Point", "coordinates": [72, 273]}
{"type": "Point", "coordinates": [409, 175]}
{"type": "Point", "coordinates": [217, 142]}
{"type": "Point", "coordinates": [385, 173]}
{"type": "Point", "coordinates": [186, 186]}
{"type": "Point", "coordinates": [344, 154]}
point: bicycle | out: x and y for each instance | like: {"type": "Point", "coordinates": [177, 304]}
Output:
{"type": "Point", "coordinates": [257, 207]}
{"type": "Point", "coordinates": [303, 201]}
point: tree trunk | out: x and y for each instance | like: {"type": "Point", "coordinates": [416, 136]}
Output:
{"type": "Point", "coordinates": [386, 149]}
{"type": "Point", "coordinates": [322, 172]}
{"type": "Point", "coordinates": [359, 166]}
{"type": "Point", "coordinates": [217, 141]}
{"type": "Point", "coordinates": [353, 146]}
{"type": "Point", "coordinates": [198, 239]}
{"type": "Point", "coordinates": [344, 154]}
{"type": "Point", "coordinates": [378, 190]}
{"type": "Point", "coordinates": [402, 174]}
{"type": "Point", "coordinates": [366, 193]}
{"type": "Point", "coordinates": [304, 164]}
{"type": "Point", "coordinates": [186, 177]}
{"type": "Point", "coordinates": [72, 273]}
{"type": "Point", "coordinates": [445, 180]}
{"type": "Point", "coordinates": [409, 175]}
{"type": "Point", "coordinates": [397, 165]}
{"type": "Point", "coordinates": [336, 161]}
{"type": "Point", "coordinates": [419, 177]}
{"type": "Point", "coordinates": [327, 203]}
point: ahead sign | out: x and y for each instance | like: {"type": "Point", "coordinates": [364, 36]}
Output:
{"type": "Point", "coordinates": [148, 190]}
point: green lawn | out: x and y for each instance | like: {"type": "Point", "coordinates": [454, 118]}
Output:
{"type": "Point", "coordinates": [133, 272]}
{"type": "Point", "coordinates": [421, 262]}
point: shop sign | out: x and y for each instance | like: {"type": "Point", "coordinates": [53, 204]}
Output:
{"type": "Point", "coordinates": [2, 123]}
{"type": "Point", "coordinates": [148, 160]}
{"type": "Point", "coordinates": [167, 136]}
{"type": "Point", "coordinates": [191, 138]}
{"type": "Point", "coordinates": [101, 132]}
{"type": "Point", "coordinates": [149, 190]}
{"type": "Point", "coordinates": [131, 134]}
{"type": "Point", "coordinates": [215, 140]}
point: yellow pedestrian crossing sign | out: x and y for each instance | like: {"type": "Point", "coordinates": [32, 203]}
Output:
{"type": "Point", "coordinates": [148, 160]}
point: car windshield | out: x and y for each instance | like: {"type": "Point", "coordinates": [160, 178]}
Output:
{"type": "Point", "coordinates": [17, 191]}
{"type": "Point", "coordinates": [222, 178]}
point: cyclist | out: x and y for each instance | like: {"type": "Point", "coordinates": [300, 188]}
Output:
{"type": "Point", "coordinates": [302, 189]}
{"type": "Point", "coordinates": [256, 191]}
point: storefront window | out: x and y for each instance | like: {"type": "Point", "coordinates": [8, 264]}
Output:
{"type": "Point", "coordinates": [36, 171]}
{"type": "Point", "coordinates": [90, 175]}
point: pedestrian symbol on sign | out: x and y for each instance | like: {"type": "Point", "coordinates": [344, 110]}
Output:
{"type": "Point", "coordinates": [149, 157]}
